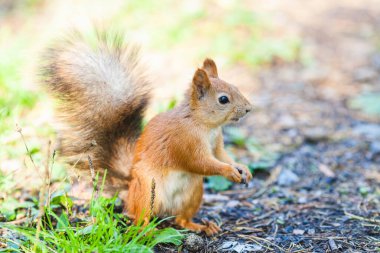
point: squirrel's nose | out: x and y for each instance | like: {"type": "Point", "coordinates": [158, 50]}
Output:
{"type": "Point", "coordinates": [248, 108]}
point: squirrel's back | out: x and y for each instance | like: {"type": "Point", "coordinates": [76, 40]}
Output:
{"type": "Point", "coordinates": [103, 93]}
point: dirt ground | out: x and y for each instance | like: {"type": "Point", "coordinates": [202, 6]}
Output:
{"type": "Point", "coordinates": [322, 193]}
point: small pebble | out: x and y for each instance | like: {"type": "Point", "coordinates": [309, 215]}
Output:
{"type": "Point", "coordinates": [287, 178]}
{"type": "Point", "coordinates": [375, 148]}
{"type": "Point", "coordinates": [333, 246]}
{"type": "Point", "coordinates": [194, 243]}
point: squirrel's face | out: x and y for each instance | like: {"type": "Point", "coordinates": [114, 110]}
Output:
{"type": "Point", "coordinates": [216, 101]}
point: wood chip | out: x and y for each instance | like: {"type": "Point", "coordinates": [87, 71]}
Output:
{"type": "Point", "coordinates": [326, 170]}
{"type": "Point", "coordinates": [273, 175]}
{"type": "Point", "coordinates": [332, 245]}
{"type": "Point", "coordinates": [298, 232]}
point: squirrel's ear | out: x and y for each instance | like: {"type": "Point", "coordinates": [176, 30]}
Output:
{"type": "Point", "coordinates": [201, 83]}
{"type": "Point", "coordinates": [210, 67]}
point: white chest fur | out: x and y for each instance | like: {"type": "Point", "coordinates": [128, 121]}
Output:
{"type": "Point", "coordinates": [212, 137]}
{"type": "Point", "coordinates": [176, 191]}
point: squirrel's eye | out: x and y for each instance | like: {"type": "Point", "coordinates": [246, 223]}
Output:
{"type": "Point", "coordinates": [223, 100]}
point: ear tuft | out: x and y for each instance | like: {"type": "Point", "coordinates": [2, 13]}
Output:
{"type": "Point", "coordinates": [201, 83]}
{"type": "Point", "coordinates": [210, 67]}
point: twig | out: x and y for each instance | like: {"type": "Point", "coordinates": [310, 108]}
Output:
{"type": "Point", "coordinates": [93, 178]}
{"type": "Point", "coordinates": [19, 221]}
{"type": "Point", "coordinates": [47, 173]}
{"type": "Point", "coordinates": [257, 239]}
{"type": "Point", "coordinates": [50, 175]}
{"type": "Point", "coordinates": [275, 231]}
{"type": "Point", "coordinates": [356, 217]}
{"type": "Point", "coordinates": [332, 245]}
{"type": "Point", "coordinates": [19, 130]}
{"type": "Point", "coordinates": [92, 144]}
{"type": "Point", "coordinates": [301, 250]}
{"type": "Point", "coordinates": [152, 196]}
{"type": "Point", "coordinates": [41, 211]}
{"type": "Point", "coordinates": [29, 217]}
{"type": "Point", "coordinates": [266, 215]}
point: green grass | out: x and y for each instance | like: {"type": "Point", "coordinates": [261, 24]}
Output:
{"type": "Point", "coordinates": [102, 230]}
{"type": "Point", "coordinates": [107, 232]}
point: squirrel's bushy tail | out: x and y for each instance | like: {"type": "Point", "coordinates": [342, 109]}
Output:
{"type": "Point", "coordinates": [102, 93]}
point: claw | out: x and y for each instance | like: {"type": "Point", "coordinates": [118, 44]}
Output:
{"type": "Point", "coordinates": [244, 181]}
{"type": "Point", "coordinates": [240, 170]}
{"type": "Point", "coordinates": [206, 222]}
{"type": "Point", "coordinates": [243, 178]}
{"type": "Point", "coordinates": [211, 227]}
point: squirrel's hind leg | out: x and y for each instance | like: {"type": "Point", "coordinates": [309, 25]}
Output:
{"type": "Point", "coordinates": [190, 208]}
{"type": "Point", "coordinates": [210, 228]}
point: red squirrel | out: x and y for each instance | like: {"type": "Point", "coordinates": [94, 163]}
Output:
{"type": "Point", "coordinates": [103, 93]}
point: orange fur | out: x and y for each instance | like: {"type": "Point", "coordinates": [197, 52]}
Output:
{"type": "Point", "coordinates": [178, 148]}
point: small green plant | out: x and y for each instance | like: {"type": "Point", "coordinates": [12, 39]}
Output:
{"type": "Point", "coordinates": [103, 231]}
{"type": "Point", "coordinates": [364, 191]}
{"type": "Point", "coordinates": [369, 103]}
{"type": "Point", "coordinates": [265, 158]}
{"type": "Point", "coordinates": [51, 225]}
{"type": "Point", "coordinates": [218, 183]}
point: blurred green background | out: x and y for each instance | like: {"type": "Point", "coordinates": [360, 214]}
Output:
{"type": "Point", "coordinates": [230, 30]}
{"type": "Point", "coordinates": [175, 37]}
{"type": "Point", "coordinates": [244, 38]}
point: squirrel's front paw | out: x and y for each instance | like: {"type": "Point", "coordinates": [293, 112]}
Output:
{"type": "Point", "coordinates": [245, 172]}
{"type": "Point", "coordinates": [232, 174]}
